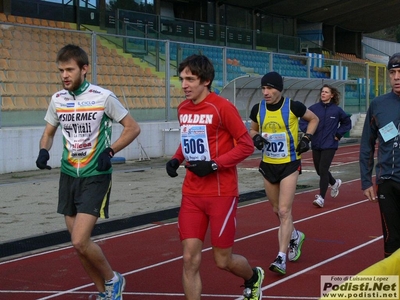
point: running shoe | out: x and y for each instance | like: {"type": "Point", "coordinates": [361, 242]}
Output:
{"type": "Point", "coordinates": [319, 201]}
{"type": "Point", "coordinates": [335, 188]}
{"type": "Point", "coordinates": [99, 296]}
{"type": "Point", "coordinates": [253, 290]}
{"type": "Point", "coordinates": [114, 289]}
{"type": "Point", "coordinates": [295, 246]}
{"type": "Point", "coordinates": [278, 266]}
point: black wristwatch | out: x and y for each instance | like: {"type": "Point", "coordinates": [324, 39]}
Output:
{"type": "Point", "coordinates": [214, 166]}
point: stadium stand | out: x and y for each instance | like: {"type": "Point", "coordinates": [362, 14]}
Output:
{"type": "Point", "coordinates": [27, 67]}
{"type": "Point", "coordinates": [7, 103]}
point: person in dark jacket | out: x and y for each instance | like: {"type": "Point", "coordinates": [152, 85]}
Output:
{"type": "Point", "coordinates": [381, 126]}
{"type": "Point", "coordinates": [333, 124]}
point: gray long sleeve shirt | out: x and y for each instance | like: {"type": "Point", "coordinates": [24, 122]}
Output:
{"type": "Point", "coordinates": [383, 111]}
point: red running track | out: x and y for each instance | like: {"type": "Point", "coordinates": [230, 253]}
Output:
{"type": "Point", "coordinates": [342, 238]}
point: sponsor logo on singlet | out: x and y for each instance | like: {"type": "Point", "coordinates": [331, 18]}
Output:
{"type": "Point", "coordinates": [94, 91]}
{"type": "Point", "coordinates": [77, 117]}
{"type": "Point", "coordinates": [60, 94]}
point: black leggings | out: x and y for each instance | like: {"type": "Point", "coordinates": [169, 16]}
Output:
{"type": "Point", "coordinates": [389, 205]}
{"type": "Point", "coordinates": [322, 161]}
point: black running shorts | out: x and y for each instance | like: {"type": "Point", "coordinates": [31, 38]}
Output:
{"type": "Point", "coordinates": [88, 195]}
{"type": "Point", "coordinates": [274, 173]}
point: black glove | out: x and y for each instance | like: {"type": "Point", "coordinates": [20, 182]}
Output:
{"type": "Point", "coordinates": [304, 144]}
{"type": "Point", "coordinates": [171, 166]}
{"type": "Point", "coordinates": [200, 167]}
{"type": "Point", "coordinates": [42, 159]}
{"type": "Point", "coordinates": [104, 160]}
{"type": "Point", "coordinates": [259, 141]}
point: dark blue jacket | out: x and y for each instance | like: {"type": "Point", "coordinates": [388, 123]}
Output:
{"type": "Point", "coordinates": [383, 111]}
{"type": "Point", "coordinates": [333, 121]}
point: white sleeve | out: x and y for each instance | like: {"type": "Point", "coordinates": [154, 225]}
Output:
{"type": "Point", "coordinates": [114, 108]}
{"type": "Point", "coordinates": [51, 115]}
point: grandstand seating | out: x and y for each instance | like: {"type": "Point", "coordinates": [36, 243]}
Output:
{"type": "Point", "coordinates": [28, 74]}
{"type": "Point", "coordinates": [7, 103]}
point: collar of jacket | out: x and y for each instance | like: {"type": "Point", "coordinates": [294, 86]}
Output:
{"type": "Point", "coordinates": [81, 89]}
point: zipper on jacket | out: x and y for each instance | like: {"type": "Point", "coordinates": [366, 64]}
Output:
{"type": "Point", "coordinates": [77, 156]}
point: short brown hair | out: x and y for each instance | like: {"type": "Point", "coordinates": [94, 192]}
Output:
{"type": "Point", "coordinates": [74, 52]}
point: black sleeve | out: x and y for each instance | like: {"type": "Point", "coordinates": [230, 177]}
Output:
{"type": "Point", "coordinates": [298, 108]}
{"type": "Point", "coordinates": [254, 112]}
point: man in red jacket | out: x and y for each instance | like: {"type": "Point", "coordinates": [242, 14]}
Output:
{"type": "Point", "coordinates": [209, 126]}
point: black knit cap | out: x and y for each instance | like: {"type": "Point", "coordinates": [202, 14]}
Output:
{"type": "Point", "coordinates": [394, 61]}
{"type": "Point", "coordinates": [272, 79]}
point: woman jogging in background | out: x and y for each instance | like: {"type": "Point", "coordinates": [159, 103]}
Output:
{"type": "Point", "coordinates": [333, 124]}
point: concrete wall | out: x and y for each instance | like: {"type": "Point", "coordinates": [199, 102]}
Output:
{"type": "Point", "coordinates": [19, 146]}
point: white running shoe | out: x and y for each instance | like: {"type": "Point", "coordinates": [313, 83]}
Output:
{"type": "Point", "coordinates": [114, 289]}
{"type": "Point", "coordinates": [319, 201]}
{"type": "Point", "coordinates": [335, 188]}
{"type": "Point", "coordinates": [99, 296]}
{"type": "Point", "coordinates": [295, 246]}
{"type": "Point", "coordinates": [278, 266]}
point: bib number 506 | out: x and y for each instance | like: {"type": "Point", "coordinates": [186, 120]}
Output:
{"type": "Point", "coordinates": [193, 146]}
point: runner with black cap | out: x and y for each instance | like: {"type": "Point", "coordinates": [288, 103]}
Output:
{"type": "Point", "coordinates": [274, 129]}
